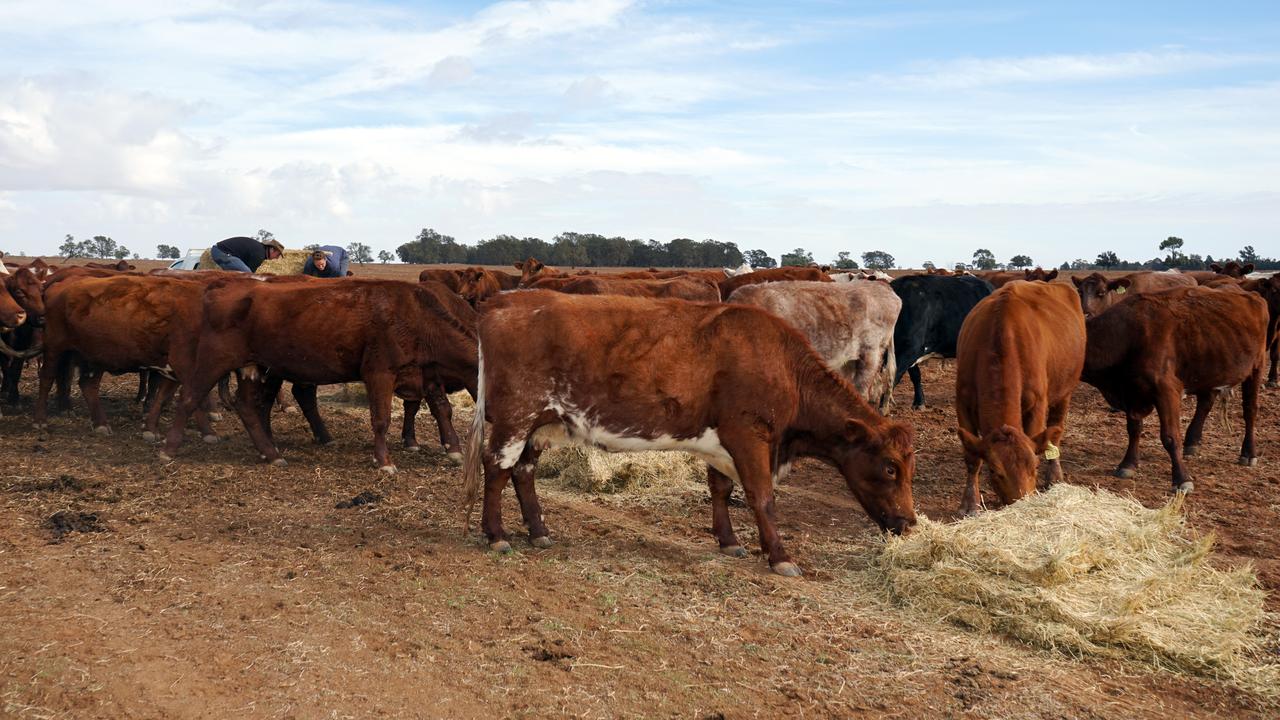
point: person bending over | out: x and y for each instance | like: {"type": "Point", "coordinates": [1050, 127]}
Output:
{"type": "Point", "coordinates": [327, 261]}
{"type": "Point", "coordinates": [245, 254]}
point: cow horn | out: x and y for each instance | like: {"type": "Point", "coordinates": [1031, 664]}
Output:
{"type": "Point", "coordinates": [20, 354]}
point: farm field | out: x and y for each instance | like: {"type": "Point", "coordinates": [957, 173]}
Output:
{"type": "Point", "coordinates": [215, 586]}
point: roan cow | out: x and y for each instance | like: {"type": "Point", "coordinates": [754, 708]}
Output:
{"type": "Point", "coordinates": [731, 383]}
{"type": "Point", "coordinates": [849, 324]}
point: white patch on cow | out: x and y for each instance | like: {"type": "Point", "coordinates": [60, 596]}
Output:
{"type": "Point", "coordinates": [259, 278]}
{"type": "Point", "coordinates": [580, 428]}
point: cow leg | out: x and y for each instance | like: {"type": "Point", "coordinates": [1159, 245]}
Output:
{"type": "Point", "coordinates": [160, 393]}
{"type": "Point", "coordinates": [971, 501]}
{"type": "Point", "coordinates": [917, 387]}
{"type": "Point", "coordinates": [1272, 380]}
{"type": "Point", "coordinates": [63, 373]}
{"type": "Point", "coordinates": [495, 479]}
{"type": "Point", "coordinates": [527, 494]}
{"type": "Point", "coordinates": [1204, 404]}
{"type": "Point", "coordinates": [12, 374]}
{"type": "Point", "coordinates": [1133, 425]}
{"type": "Point", "coordinates": [442, 411]}
{"type": "Point", "coordinates": [305, 395]}
{"type": "Point", "coordinates": [751, 459]}
{"type": "Point", "coordinates": [1248, 451]}
{"type": "Point", "coordinates": [721, 487]}
{"type": "Point", "coordinates": [249, 404]}
{"type": "Point", "coordinates": [380, 387]}
{"type": "Point", "coordinates": [141, 395]}
{"type": "Point", "coordinates": [48, 372]}
{"type": "Point", "coordinates": [90, 380]}
{"type": "Point", "coordinates": [1051, 469]}
{"type": "Point", "coordinates": [408, 427]}
{"type": "Point", "coordinates": [1168, 406]}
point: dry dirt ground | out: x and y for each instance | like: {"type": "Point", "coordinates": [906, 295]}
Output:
{"type": "Point", "coordinates": [213, 586]}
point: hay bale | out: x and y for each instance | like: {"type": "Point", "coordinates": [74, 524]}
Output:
{"type": "Point", "coordinates": [1090, 573]}
{"type": "Point", "coordinates": [290, 263]}
{"type": "Point", "coordinates": [596, 471]}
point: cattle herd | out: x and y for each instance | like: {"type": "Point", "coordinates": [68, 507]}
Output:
{"type": "Point", "coordinates": [749, 370]}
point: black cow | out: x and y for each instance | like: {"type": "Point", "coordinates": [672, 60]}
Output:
{"type": "Point", "coordinates": [933, 309]}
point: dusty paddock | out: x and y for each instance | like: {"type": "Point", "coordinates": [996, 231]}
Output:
{"type": "Point", "coordinates": [213, 586]}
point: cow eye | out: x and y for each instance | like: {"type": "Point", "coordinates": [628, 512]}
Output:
{"type": "Point", "coordinates": [891, 470]}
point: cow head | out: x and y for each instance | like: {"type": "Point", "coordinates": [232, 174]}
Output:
{"type": "Point", "coordinates": [11, 313]}
{"type": "Point", "coordinates": [27, 290]}
{"type": "Point", "coordinates": [530, 270]}
{"type": "Point", "coordinates": [476, 284]}
{"type": "Point", "coordinates": [1097, 293]}
{"type": "Point", "coordinates": [1040, 274]}
{"type": "Point", "coordinates": [1012, 457]}
{"type": "Point", "coordinates": [878, 463]}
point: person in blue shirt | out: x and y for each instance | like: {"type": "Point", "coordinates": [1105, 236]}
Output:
{"type": "Point", "coordinates": [327, 261]}
{"type": "Point", "coordinates": [245, 254]}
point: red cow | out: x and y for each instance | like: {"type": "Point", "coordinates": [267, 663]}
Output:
{"type": "Point", "coordinates": [1018, 360]}
{"type": "Point", "coordinates": [1097, 293]}
{"type": "Point", "coordinates": [683, 288]}
{"type": "Point", "coordinates": [731, 383]}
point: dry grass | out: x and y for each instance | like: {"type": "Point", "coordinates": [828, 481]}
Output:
{"type": "Point", "coordinates": [290, 263]}
{"type": "Point", "coordinates": [1090, 573]}
{"type": "Point", "coordinates": [596, 471]}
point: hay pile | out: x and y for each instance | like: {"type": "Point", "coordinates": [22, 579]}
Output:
{"type": "Point", "coordinates": [596, 471]}
{"type": "Point", "coordinates": [1089, 573]}
{"type": "Point", "coordinates": [290, 263]}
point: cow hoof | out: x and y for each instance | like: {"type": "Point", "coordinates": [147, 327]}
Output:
{"type": "Point", "coordinates": [455, 458]}
{"type": "Point", "coordinates": [412, 448]}
{"type": "Point", "coordinates": [734, 551]}
{"type": "Point", "coordinates": [280, 462]}
{"type": "Point", "coordinates": [388, 469]}
{"type": "Point", "coordinates": [1190, 451]}
{"type": "Point", "coordinates": [1125, 472]}
{"type": "Point", "coordinates": [501, 546]}
{"type": "Point", "coordinates": [1185, 488]}
{"type": "Point", "coordinates": [786, 569]}
{"type": "Point", "coordinates": [215, 416]}
{"type": "Point", "coordinates": [102, 430]}
{"type": "Point", "coordinates": [542, 542]}
{"type": "Point", "coordinates": [211, 439]}
{"type": "Point", "coordinates": [290, 410]}
{"type": "Point", "coordinates": [1248, 461]}
{"type": "Point", "coordinates": [149, 436]}
{"type": "Point", "coordinates": [921, 406]}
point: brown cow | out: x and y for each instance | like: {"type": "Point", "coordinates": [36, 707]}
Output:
{"type": "Point", "coordinates": [1040, 275]}
{"type": "Point", "coordinates": [731, 383]}
{"type": "Point", "coordinates": [11, 313]}
{"type": "Point", "coordinates": [1018, 360]}
{"type": "Point", "coordinates": [729, 284]}
{"type": "Point", "coordinates": [532, 270]}
{"type": "Point", "coordinates": [1000, 278]}
{"type": "Point", "coordinates": [1149, 349]}
{"type": "Point", "coordinates": [683, 288]}
{"type": "Point", "coordinates": [21, 344]}
{"type": "Point", "coordinates": [124, 323]}
{"type": "Point", "coordinates": [849, 324]}
{"type": "Point", "coordinates": [120, 265]}
{"type": "Point", "coordinates": [1097, 293]}
{"type": "Point", "coordinates": [1269, 289]}
{"type": "Point", "coordinates": [396, 337]}
{"type": "Point", "coordinates": [452, 279]}
{"type": "Point", "coordinates": [476, 285]}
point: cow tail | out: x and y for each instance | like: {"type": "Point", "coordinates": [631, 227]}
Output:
{"type": "Point", "coordinates": [888, 372]}
{"type": "Point", "coordinates": [473, 462]}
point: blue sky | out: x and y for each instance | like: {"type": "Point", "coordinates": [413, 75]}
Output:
{"type": "Point", "coordinates": [927, 129]}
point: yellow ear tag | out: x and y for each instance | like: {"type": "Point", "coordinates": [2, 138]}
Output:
{"type": "Point", "coordinates": [1052, 452]}
{"type": "Point", "coordinates": [1120, 290]}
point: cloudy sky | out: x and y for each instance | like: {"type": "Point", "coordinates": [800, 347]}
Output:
{"type": "Point", "coordinates": [926, 129]}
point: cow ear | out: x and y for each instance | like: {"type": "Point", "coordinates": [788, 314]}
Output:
{"type": "Point", "coordinates": [1119, 285]}
{"type": "Point", "coordinates": [858, 431]}
{"type": "Point", "coordinates": [1246, 269]}
{"type": "Point", "coordinates": [1215, 267]}
{"type": "Point", "coordinates": [1077, 281]}
{"type": "Point", "coordinates": [518, 265]}
{"type": "Point", "coordinates": [1052, 275]}
{"type": "Point", "coordinates": [1048, 436]}
{"type": "Point", "coordinates": [971, 443]}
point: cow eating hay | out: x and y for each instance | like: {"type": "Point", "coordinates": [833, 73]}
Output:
{"type": "Point", "coordinates": [1090, 573]}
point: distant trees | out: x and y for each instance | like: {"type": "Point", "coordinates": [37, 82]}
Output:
{"type": "Point", "coordinates": [1248, 255]}
{"type": "Point", "coordinates": [844, 262]}
{"type": "Point", "coordinates": [168, 252]}
{"type": "Point", "coordinates": [1107, 260]}
{"type": "Point", "coordinates": [877, 260]}
{"type": "Point", "coordinates": [984, 259]}
{"type": "Point", "coordinates": [265, 235]}
{"type": "Point", "coordinates": [760, 259]}
{"type": "Point", "coordinates": [385, 257]}
{"type": "Point", "coordinates": [432, 247]}
{"type": "Point", "coordinates": [798, 257]}
{"type": "Point", "coordinates": [358, 252]}
{"type": "Point", "coordinates": [1020, 261]}
{"type": "Point", "coordinates": [575, 249]}
{"type": "Point", "coordinates": [98, 246]}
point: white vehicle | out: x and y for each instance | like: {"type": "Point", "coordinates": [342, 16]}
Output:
{"type": "Point", "coordinates": [190, 262]}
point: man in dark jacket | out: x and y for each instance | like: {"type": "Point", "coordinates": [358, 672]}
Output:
{"type": "Point", "coordinates": [326, 261]}
{"type": "Point", "coordinates": [245, 254]}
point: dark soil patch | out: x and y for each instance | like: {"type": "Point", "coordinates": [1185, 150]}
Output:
{"type": "Point", "coordinates": [65, 522]}
{"type": "Point", "coordinates": [366, 497]}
